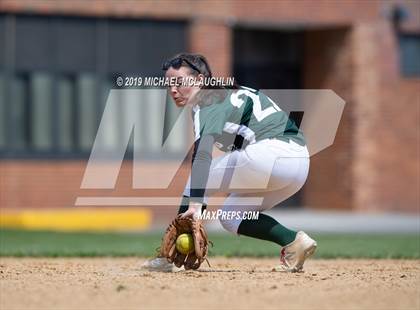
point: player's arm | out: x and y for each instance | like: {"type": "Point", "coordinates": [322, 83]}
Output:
{"type": "Point", "coordinates": [200, 170]}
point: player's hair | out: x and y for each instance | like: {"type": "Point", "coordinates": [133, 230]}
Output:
{"type": "Point", "coordinates": [196, 63]}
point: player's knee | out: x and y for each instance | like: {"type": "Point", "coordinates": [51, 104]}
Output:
{"type": "Point", "coordinates": [230, 225]}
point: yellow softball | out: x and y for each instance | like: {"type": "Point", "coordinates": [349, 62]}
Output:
{"type": "Point", "coordinates": [185, 244]}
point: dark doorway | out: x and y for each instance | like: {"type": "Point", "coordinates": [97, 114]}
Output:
{"type": "Point", "coordinates": [268, 59]}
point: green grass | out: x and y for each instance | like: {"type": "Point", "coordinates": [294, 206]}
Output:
{"type": "Point", "coordinates": [57, 244]}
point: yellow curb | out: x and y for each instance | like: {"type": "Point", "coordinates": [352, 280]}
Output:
{"type": "Point", "coordinates": [78, 219]}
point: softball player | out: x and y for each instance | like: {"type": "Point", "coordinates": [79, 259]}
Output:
{"type": "Point", "coordinates": [265, 156]}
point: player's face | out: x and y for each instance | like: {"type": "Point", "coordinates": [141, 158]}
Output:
{"type": "Point", "coordinates": [182, 95]}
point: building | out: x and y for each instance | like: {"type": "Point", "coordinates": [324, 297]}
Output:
{"type": "Point", "coordinates": [59, 58]}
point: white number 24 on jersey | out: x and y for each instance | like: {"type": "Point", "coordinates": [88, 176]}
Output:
{"type": "Point", "coordinates": [258, 112]}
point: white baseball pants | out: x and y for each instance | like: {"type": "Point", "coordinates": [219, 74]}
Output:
{"type": "Point", "coordinates": [271, 169]}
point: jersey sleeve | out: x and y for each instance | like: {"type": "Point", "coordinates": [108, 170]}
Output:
{"type": "Point", "coordinates": [212, 119]}
{"type": "Point", "coordinates": [201, 167]}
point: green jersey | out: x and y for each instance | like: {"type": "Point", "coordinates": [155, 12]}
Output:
{"type": "Point", "coordinates": [245, 116]}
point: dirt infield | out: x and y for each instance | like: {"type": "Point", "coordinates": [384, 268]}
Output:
{"type": "Point", "coordinates": [231, 283]}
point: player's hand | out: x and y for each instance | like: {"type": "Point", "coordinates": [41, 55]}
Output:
{"type": "Point", "coordinates": [194, 210]}
{"type": "Point", "coordinates": [179, 226]}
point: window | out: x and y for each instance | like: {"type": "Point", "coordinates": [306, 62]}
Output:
{"type": "Point", "coordinates": [410, 54]}
{"type": "Point", "coordinates": [41, 116]}
{"type": "Point", "coordinates": [19, 112]}
{"type": "Point", "coordinates": [66, 113]}
{"type": "Point", "coordinates": [2, 111]}
{"type": "Point", "coordinates": [55, 81]}
{"type": "Point", "coordinates": [86, 110]}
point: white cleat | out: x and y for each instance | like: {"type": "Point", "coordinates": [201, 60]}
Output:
{"type": "Point", "coordinates": [293, 255]}
{"type": "Point", "coordinates": [160, 264]}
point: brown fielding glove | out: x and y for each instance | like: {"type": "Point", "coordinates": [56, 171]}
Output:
{"type": "Point", "coordinates": [180, 226]}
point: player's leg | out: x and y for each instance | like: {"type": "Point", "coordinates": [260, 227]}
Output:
{"type": "Point", "coordinates": [268, 165]}
{"type": "Point", "coordinates": [287, 176]}
{"type": "Point", "coordinates": [265, 227]}
{"type": "Point", "coordinates": [296, 246]}
{"type": "Point", "coordinates": [265, 166]}
{"type": "Point", "coordinates": [244, 172]}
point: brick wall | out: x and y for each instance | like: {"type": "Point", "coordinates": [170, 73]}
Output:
{"type": "Point", "coordinates": [48, 184]}
{"type": "Point", "coordinates": [328, 65]}
{"type": "Point", "coordinates": [275, 12]}
{"type": "Point", "coordinates": [213, 39]}
{"type": "Point", "coordinates": [386, 163]}
{"type": "Point", "coordinates": [350, 48]}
